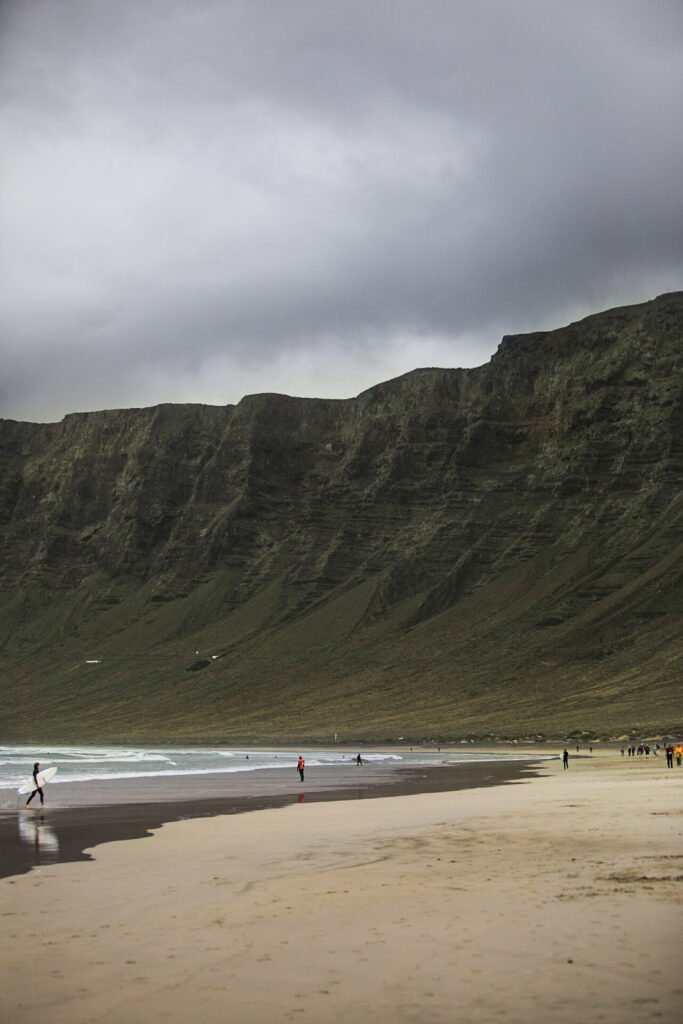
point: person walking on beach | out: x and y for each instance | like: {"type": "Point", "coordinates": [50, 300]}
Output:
{"type": "Point", "coordinates": [38, 789]}
{"type": "Point", "coordinates": [300, 767]}
{"type": "Point", "coordinates": [565, 759]}
{"type": "Point", "coordinates": [359, 761]}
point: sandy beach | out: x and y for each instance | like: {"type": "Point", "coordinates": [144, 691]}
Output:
{"type": "Point", "coordinates": [557, 899]}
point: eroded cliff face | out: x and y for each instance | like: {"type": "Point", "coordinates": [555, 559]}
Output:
{"type": "Point", "coordinates": [439, 553]}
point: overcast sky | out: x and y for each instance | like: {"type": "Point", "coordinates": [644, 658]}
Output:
{"type": "Point", "coordinates": [202, 199]}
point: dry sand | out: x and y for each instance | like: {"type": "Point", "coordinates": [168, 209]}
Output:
{"type": "Point", "coordinates": [552, 900]}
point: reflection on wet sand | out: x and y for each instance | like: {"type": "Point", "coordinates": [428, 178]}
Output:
{"type": "Point", "coordinates": [34, 832]}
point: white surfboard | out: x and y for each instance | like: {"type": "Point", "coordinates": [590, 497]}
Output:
{"type": "Point", "coordinates": [42, 778]}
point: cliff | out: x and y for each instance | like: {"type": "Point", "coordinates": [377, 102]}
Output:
{"type": "Point", "coordinates": [494, 551]}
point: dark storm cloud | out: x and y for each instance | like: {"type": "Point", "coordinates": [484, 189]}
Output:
{"type": "Point", "coordinates": [202, 199]}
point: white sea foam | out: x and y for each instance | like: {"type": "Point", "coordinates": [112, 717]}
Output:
{"type": "Point", "coordinates": [93, 764]}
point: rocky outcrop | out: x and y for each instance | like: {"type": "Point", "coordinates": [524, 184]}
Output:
{"type": "Point", "coordinates": [330, 545]}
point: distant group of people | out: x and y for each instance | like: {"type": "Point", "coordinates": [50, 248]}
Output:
{"type": "Point", "coordinates": [642, 749]}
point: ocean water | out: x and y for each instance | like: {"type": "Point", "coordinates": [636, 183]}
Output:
{"type": "Point", "coordinates": [96, 764]}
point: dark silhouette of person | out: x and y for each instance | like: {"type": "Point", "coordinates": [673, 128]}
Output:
{"type": "Point", "coordinates": [300, 767]}
{"type": "Point", "coordinates": [565, 759]}
{"type": "Point", "coordinates": [669, 756]}
{"type": "Point", "coordinates": [359, 760]}
{"type": "Point", "coordinates": [38, 789]}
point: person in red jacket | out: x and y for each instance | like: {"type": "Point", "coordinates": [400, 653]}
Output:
{"type": "Point", "coordinates": [300, 767]}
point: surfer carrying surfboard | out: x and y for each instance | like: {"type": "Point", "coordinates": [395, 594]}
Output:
{"type": "Point", "coordinates": [38, 789]}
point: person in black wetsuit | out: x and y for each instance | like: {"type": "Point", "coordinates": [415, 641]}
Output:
{"type": "Point", "coordinates": [36, 769]}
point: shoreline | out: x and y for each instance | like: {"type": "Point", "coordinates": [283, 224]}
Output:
{"type": "Point", "coordinates": [80, 817]}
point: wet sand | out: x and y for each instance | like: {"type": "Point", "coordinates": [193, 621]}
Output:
{"type": "Point", "coordinates": [78, 817]}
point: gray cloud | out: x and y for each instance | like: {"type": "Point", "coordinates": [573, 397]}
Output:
{"type": "Point", "coordinates": [202, 199]}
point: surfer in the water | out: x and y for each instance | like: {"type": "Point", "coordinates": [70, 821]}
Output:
{"type": "Point", "coordinates": [300, 766]}
{"type": "Point", "coordinates": [38, 789]}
